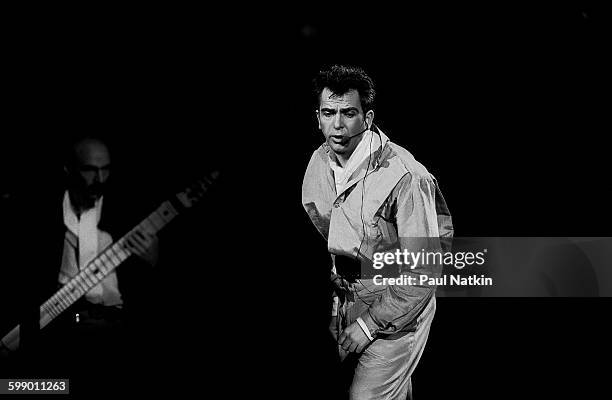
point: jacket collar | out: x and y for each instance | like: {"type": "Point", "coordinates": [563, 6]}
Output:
{"type": "Point", "coordinates": [369, 164]}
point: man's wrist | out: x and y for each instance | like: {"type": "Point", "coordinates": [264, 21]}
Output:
{"type": "Point", "coordinates": [364, 328]}
{"type": "Point", "coordinates": [369, 323]}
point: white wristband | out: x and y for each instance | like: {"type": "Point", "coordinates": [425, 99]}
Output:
{"type": "Point", "coordinates": [335, 307]}
{"type": "Point", "coordinates": [364, 328]}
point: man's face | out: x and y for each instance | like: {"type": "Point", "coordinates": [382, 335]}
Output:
{"type": "Point", "coordinates": [341, 117]}
{"type": "Point", "coordinates": [90, 170]}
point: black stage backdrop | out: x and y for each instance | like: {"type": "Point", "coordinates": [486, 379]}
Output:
{"type": "Point", "coordinates": [503, 105]}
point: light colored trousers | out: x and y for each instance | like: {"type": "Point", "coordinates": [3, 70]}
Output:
{"type": "Point", "coordinates": [385, 367]}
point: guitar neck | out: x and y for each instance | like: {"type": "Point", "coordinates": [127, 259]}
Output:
{"type": "Point", "coordinates": [108, 259]}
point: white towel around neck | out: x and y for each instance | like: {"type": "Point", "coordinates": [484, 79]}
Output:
{"type": "Point", "coordinates": [83, 234]}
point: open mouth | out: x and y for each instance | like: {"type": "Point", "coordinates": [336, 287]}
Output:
{"type": "Point", "coordinates": [338, 139]}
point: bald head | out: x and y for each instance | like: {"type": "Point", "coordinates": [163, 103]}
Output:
{"type": "Point", "coordinates": [90, 151]}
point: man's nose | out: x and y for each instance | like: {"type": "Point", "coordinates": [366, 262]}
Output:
{"type": "Point", "coordinates": [99, 176]}
{"type": "Point", "coordinates": [338, 123]}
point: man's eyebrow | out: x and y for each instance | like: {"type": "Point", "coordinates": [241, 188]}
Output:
{"type": "Point", "coordinates": [90, 166]}
{"type": "Point", "coordinates": [345, 110]}
{"type": "Point", "coordinates": [328, 109]}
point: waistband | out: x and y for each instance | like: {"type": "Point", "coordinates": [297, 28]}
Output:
{"type": "Point", "coordinates": [99, 312]}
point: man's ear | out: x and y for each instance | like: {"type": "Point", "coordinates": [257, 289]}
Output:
{"type": "Point", "coordinates": [369, 118]}
{"type": "Point", "coordinates": [318, 119]}
{"type": "Point", "coordinates": [68, 172]}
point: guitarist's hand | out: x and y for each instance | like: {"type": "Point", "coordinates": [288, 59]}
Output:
{"type": "Point", "coordinates": [4, 351]}
{"type": "Point", "coordinates": [145, 245]}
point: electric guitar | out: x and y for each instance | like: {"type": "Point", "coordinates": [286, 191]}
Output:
{"type": "Point", "coordinates": [110, 258]}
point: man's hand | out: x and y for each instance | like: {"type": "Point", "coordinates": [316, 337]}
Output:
{"type": "Point", "coordinates": [4, 351]}
{"type": "Point", "coordinates": [145, 245]}
{"type": "Point", "coordinates": [353, 339]}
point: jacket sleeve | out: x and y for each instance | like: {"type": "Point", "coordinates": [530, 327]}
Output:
{"type": "Point", "coordinates": [421, 218]}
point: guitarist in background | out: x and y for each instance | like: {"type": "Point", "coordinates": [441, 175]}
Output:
{"type": "Point", "coordinates": [71, 231]}
{"type": "Point", "coordinates": [88, 170]}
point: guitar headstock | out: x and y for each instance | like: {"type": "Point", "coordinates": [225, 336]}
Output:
{"type": "Point", "coordinates": [196, 191]}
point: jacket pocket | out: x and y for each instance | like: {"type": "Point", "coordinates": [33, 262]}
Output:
{"type": "Point", "coordinates": [383, 234]}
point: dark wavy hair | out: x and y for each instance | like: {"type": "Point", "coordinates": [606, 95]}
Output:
{"type": "Point", "coordinates": [340, 79]}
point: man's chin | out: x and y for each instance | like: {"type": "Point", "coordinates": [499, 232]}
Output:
{"type": "Point", "coordinates": [338, 148]}
{"type": "Point", "coordinates": [91, 199]}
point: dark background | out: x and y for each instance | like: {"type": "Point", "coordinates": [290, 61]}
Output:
{"type": "Point", "coordinates": [504, 105]}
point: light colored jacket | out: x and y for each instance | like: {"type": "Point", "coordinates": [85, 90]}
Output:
{"type": "Point", "coordinates": [396, 206]}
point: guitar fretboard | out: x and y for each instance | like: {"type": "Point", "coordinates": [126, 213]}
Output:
{"type": "Point", "coordinates": [108, 260]}
{"type": "Point", "coordinates": [102, 265]}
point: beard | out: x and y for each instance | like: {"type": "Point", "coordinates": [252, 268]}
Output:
{"type": "Point", "coordinates": [95, 191]}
